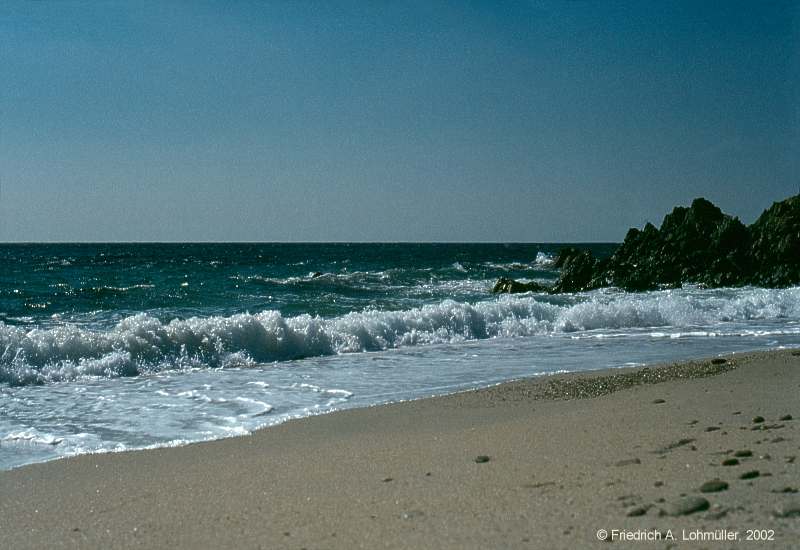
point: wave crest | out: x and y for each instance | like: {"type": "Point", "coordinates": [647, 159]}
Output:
{"type": "Point", "coordinates": [143, 343]}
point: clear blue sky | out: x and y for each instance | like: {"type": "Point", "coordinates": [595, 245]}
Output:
{"type": "Point", "coordinates": [365, 121]}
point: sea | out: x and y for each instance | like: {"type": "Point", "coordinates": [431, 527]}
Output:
{"type": "Point", "coordinates": [112, 347]}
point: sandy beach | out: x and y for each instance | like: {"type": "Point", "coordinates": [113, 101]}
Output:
{"type": "Point", "coordinates": [699, 451]}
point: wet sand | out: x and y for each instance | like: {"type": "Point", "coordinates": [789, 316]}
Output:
{"type": "Point", "coordinates": [700, 450]}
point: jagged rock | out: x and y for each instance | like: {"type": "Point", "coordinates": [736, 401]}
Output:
{"type": "Point", "coordinates": [776, 244]}
{"type": "Point", "coordinates": [578, 268]}
{"type": "Point", "coordinates": [699, 244]}
{"type": "Point", "coordinates": [506, 285]}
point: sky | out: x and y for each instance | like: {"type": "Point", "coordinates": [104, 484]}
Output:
{"type": "Point", "coordinates": [534, 121]}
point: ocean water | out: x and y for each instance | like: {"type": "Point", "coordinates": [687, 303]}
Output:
{"type": "Point", "coordinates": [108, 347]}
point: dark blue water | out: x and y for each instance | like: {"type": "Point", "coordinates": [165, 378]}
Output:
{"type": "Point", "coordinates": [116, 346]}
{"type": "Point", "coordinates": [101, 282]}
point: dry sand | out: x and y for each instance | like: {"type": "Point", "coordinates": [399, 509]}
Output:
{"type": "Point", "coordinates": [567, 456]}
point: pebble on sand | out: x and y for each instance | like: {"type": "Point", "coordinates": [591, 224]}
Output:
{"type": "Point", "coordinates": [730, 462]}
{"type": "Point", "coordinates": [659, 401]}
{"type": "Point", "coordinates": [713, 486]}
{"type": "Point", "coordinates": [637, 511]}
{"type": "Point", "coordinates": [788, 510]}
{"type": "Point", "coordinates": [628, 462]}
{"type": "Point", "coordinates": [786, 417]}
{"type": "Point", "coordinates": [480, 459]}
{"type": "Point", "coordinates": [758, 419]}
{"type": "Point", "coordinates": [752, 474]}
{"type": "Point", "coordinates": [686, 506]}
{"type": "Point", "coordinates": [743, 453]}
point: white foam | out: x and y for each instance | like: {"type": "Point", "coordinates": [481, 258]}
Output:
{"type": "Point", "coordinates": [142, 343]}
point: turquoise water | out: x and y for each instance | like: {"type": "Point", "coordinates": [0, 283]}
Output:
{"type": "Point", "coordinates": [109, 347]}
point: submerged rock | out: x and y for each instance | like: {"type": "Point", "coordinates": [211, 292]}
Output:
{"type": "Point", "coordinates": [506, 285]}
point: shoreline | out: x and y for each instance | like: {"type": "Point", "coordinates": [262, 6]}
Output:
{"type": "Point", "coordinates": [538, 462]}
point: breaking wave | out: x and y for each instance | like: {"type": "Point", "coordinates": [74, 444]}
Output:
{"type": "Point", "coordinates": [142, 343]}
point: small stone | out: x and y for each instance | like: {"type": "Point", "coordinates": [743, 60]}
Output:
{"type": "Point", "coordinates": [785, 490]}
{"type": "Point", "coordinates": [686, 506]}
{"type": "Point", "coordinates": [743, 453]}
{"type": "Point", "coordinates": [480, 459]}
{"type": "Point", "coordinates": [752, 474]}
{"type": "Point", "coordinates": [730, 462]}
{"type": "Point", "coordinates": [628, 462]}
{"type": "Point", "coordinates": [786, 417]}
{"type": "Point", "coordinates": [718, 361]}
{"type": "Point", "coordinates": [758, 419]}
{"type": "Point", "coordinates": [737, 412]}
{"type": "Point", "coordinates": [717, 514]}
{"type": "Point", "coordinates": [712, 428]}
{"type": "Point", "coordinates": [659, 401]}
{"type": "Point", "coordinates": [658, 484]}
{"type": "Point", "coordinates": [788, 510]}
{"type": "Point", "coordinates": [713, 486]}
{"type": "Point", "coordinates": [413, 514]}
{"type": "Point", "coordinates": [388, 479]}
{"type": "Point", "coordinates": [637, 511]}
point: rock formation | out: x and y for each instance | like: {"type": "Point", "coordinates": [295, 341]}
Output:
{"type": "Point", "coordinates": [700, 245]}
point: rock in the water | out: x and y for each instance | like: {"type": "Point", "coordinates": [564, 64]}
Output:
{"type": "Point", "coordinates": [699, 244]}
{"type": "Point", "coordinates": [775, 238]}
{"type": "Point", "coordinates": [713, 486]}
{"type": "Point", "coordinates": [686, 506]}
{"type": "Point", "coordinates": [578, 270]}
{"type": "Point", "coordinates": [510, 286]}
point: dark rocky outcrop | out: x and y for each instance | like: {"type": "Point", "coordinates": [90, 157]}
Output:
{"type": "Point", "coordinates": [578, 270]}
{"type": "Point", "coordinates": [506, 285]}
{"type": "Point", "coordinates": [775, 248]}
{"type": "Point", "coordinates": [699, 244]}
